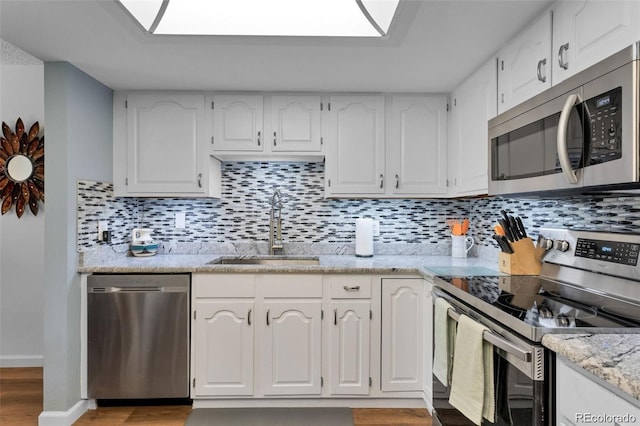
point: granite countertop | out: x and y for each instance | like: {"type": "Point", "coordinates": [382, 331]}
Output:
{"type": "Point", "coordinates": [379, 264]}
{"type": "Point", "coordinates": [614, 358]}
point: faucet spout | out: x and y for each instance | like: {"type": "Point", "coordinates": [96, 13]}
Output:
{"type": "Point", "coordinates": [275, 223]}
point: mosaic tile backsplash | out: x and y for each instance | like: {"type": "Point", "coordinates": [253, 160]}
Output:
{"type": "Point", "coordinates": [241, 216]}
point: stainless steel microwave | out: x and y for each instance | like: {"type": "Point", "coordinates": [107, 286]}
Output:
{"type": "Point", "coordinates": [577, 136]}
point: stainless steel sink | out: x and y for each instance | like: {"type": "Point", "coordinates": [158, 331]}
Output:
{"type": "Point", "coordinates": [284, 261]}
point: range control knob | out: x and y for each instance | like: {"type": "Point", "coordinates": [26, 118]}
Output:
{"type": "Point", "coordinates": [562, 245]}
{"type": "Point", "coordinates": [545, 243]}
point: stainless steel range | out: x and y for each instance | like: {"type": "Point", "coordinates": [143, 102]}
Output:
{"type": "Point", "coordinates": [590, 283]}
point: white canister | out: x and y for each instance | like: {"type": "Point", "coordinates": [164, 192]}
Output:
{"type": "Point", "coordinates": [460, 245]}
{"type": "Point", "coordinates": [364, 237]}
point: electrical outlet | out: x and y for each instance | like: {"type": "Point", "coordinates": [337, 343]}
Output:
{"type": "Point", "coordinates": [376, 228]}
{"type": "Point", "coordinates": [181, 221]}
{"type": "Point", "coordinates": [102, 227]}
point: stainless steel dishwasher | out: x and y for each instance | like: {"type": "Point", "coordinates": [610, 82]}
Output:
{"type": "Point", "coordinates": [138, 336]}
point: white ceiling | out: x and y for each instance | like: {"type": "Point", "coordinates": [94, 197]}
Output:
{"type": "Point", "coordinates": [434, 45]}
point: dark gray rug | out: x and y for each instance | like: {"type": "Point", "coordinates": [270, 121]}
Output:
{"type": "Point", "coordinates": [270, 417]}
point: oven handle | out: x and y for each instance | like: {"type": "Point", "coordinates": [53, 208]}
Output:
{"type": "Point", "coordinates": [491, 337]}
{"type": "Point", "coordinates": [561, 142]}
{"type": "Point", "coordinates": [497, 340]}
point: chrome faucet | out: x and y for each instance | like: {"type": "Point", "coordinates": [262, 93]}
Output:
{"type": "Point", "coordinates": [275, 223]}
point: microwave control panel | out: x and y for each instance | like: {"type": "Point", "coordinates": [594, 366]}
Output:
{"type": "Point", "coordinates": [609, 251]}
{"type": "Point", "coordinates": [605, 122]}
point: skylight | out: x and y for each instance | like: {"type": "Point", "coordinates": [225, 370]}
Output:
{"type": "Point", "coordinates": [303, 18]}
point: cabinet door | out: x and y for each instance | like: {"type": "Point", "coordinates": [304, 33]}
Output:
{"type": "Point", "coordinates": [580, 399]}
{"type": "Point", "coordinates": [402, 334]}
{"type": "Point", "coordinates": [473, 103]}
{"type": "Point", "coordinates": [524, 65]}
{"type": "Point", "coordinates": [349, 362]}
{"type": "Point", "coordinates": [417, 145]}
{"type": "Point", "coordinates": [165, 144]}
{"type": "Point", "coordinates": [585, 32]}
{"type": "Point", "coordinates": [295, 123]}
{"type": "Point", "coordinates": [223, 346]}
{"type": "Point", "coordinates": [238, 123]}
{"type": "Point", "coordinates": [355, 146]}
{"type": "Point", "coordinates": [291, 355]}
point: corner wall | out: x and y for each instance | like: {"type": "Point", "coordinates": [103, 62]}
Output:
{"type": "Point", "coordinates": [79, 139]}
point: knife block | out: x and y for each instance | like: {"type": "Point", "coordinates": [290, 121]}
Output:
{"type": "Point", "coordinates": [525, 259]}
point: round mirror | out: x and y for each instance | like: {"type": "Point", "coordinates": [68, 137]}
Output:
{"type": "Point", "coordinates": [19, 168]}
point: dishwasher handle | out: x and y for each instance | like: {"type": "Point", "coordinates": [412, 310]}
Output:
{"type": "Point", "coordinates": [138, 289]}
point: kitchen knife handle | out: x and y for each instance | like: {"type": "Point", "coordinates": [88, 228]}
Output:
{"type": "Point", "coordinates": [521, 229]}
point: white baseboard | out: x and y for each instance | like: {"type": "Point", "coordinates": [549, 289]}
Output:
{"type": "Point", "coordinates": [63, 418]}
{"type": "Point", "coordinates": [9, 361]}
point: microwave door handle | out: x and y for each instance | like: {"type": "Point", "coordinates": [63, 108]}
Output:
{"type": "Point", "coordinates": [563, 152]}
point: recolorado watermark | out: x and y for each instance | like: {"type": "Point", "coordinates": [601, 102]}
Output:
{"type": "Point", "coordinates": [587, 418]}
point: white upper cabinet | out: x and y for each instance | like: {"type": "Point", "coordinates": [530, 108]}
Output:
{"type": "Point", "coordinates": [473, 103]}
{"type": "Point", "coordinates": [416, 146]}
{"type": "Point", "coordinates": [160, 147]}
{"type": "Point", "coordinates": [295, 124]}
{"type": "Point", "coordinates": [237, 123]}
{"type": "Point", "coordinates": [585, 32]}
{"type": "Point", "coordinates": [524, 65]}
{"type": "Point", "coordinates": [355, 146]}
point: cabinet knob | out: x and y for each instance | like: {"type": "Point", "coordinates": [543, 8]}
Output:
{"type": "Point", "coordinates": [564, 64]}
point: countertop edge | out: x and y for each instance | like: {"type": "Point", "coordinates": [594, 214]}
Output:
{"type": "Point", "coordinates": [612, 358]}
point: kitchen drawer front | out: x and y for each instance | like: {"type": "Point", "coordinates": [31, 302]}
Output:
{"type": "Point", "coordinates": [290, 285]}
{"type": "Point", "coordinates": [349, 286]}
{"type": "Point", "coordinates": [223, 285]}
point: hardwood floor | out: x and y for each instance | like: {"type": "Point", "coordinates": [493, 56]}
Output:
{"type": "Point", "coordinates": [21, 403]}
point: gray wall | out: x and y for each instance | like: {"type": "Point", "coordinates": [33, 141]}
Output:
{"type": "Point", "coordinates": [79, 139]}
{"type": "Point", "coordinates": [21, 240]}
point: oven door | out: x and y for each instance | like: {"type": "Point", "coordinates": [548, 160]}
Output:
{"type": "Point", "coordinates": [523, 392]}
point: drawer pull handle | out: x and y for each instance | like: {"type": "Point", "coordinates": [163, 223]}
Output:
{"type": "Point", "coordinates": [268, 317]}
{"type": "Point", "coordinates": [351, 288]}
{"type": "Point", "coordinates": [335, 317]}
{"type": "Point", "coordinates": [249, 317]}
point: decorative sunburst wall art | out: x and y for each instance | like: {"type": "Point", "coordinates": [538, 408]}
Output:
{"type": "Point", "coordinates": [21, 168]}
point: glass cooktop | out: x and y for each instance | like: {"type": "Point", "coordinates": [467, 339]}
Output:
{"type": "Point", "coordinates": [542, 304]}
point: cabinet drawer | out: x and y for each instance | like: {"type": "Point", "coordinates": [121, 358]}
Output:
{"type": "Point", "coordinates": [349, 286]}
{"type": "Point", "coordinates": [223, 285]}
{"type": "Point", "coordinates": [290, 285]}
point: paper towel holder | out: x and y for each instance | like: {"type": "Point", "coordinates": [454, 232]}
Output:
{"type": "Point", "coordinates": [364, 237]}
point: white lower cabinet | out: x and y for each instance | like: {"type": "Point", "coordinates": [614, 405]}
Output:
{"type": "Point", "coordinates": [309, 336]}
{"type": "Point", "coordinates": [222, 335]}
{"type": "Point", "coordinates": [350, 334]}
{"type": "Point", "coordinates": [581, 400]}
{"type": "Point", "coordinates": [291, 348]}
{"type": "Point", "coordinates": [402, 334]}
{"type": "Point", "coordinates": [223, 369]}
